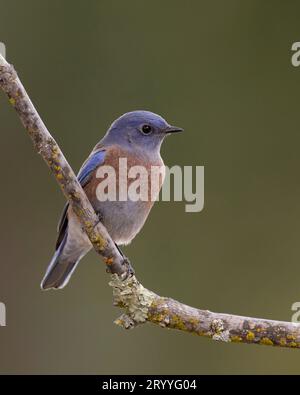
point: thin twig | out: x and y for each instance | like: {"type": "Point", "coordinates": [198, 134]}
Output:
{"type": "Point", "coordinates": [140, 304]}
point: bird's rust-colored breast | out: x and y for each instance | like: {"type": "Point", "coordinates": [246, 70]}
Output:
{"type": "Point", "coordinates": [113, 155]}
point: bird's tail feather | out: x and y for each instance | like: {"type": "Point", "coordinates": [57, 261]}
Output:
{"type": "Point", "coordinates": [60, 269]}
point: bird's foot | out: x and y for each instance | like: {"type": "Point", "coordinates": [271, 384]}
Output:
{"type": "Point", "coordinates": [129, 270]}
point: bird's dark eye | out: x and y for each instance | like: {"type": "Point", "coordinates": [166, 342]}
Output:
{"type": "Point", "coordinates": [146, 129]}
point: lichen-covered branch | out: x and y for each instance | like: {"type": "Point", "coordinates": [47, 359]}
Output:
{"type": "Point", "coordinates": [140, 304]}
{"type": "Point", "coordinates": [47, 147]}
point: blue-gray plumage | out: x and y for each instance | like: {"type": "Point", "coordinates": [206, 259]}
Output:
{"type": "Point", "coordinates": [136, 136]}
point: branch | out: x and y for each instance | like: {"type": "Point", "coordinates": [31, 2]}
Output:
{"type": "Point", "coordinates": [140, 304]}
{"type": "Point", "coordinates": [47, 147]}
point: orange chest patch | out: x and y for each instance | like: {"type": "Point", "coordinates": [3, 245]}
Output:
{"type": "Point", "coordinates": [129, 172]}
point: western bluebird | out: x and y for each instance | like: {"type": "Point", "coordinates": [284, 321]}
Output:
{"type": "Point", "coordinates": [136, 136]}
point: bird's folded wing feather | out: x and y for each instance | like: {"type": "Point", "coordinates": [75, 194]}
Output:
{"type": "Point", "coordinates": [95, 160]}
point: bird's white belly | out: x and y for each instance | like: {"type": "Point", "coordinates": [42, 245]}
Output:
{"type": "Point", "coordinates": [124, 220]}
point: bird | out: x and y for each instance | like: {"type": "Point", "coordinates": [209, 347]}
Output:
{"type": "Point", "coordinates": [136, 136]}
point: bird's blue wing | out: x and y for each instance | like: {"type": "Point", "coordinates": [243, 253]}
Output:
{"type": "Point", "coordinates": [94, 160]}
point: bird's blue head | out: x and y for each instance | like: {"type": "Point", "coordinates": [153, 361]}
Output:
{"type": "Point", "coordinates": [139, 130]}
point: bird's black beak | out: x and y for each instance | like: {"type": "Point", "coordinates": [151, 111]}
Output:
{"type": "Point", "coordinates": [173, 129]}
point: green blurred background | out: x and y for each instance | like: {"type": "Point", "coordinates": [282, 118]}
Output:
{"type": "Point", "coordinates": [222, 71]}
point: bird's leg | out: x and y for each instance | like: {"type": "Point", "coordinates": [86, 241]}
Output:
{"type": "Point", "coordinates": [120, 251]}
{"type": "Point", "coordinates": [100, 218]}
{"type": "Point", "coordinates": [129, 269]}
